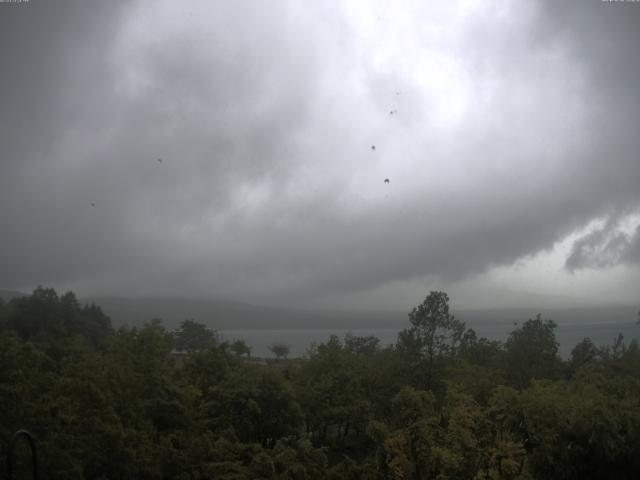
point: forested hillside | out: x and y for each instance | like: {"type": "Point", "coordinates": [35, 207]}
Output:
{"type": "Point", "coordinates": [150, 403]}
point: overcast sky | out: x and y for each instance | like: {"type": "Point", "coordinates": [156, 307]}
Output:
{"type": "Point", "coordinates": [225, 150]}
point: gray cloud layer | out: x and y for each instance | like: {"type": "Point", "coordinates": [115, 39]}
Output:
{"type": "Point", "coordinates": [512, 129]}
{"type": "Point", "coordinates": [605, 247]}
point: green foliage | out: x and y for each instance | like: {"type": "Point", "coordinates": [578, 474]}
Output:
{"type": "Point", "coordinates": [46, 318]}
{"type": "Point", "coordinates": [443, 404]}
{"type": "Point", "coordinates": [193, 336]}
{"type": "Point", "coordinates": [257, 404]}
{"type": "Point", "coordinates": [532, 353]}
{"type": "Point", "coordinates": [280, 350]}
{"type": "Point", "coordinates": [336, 389]}
{"type": "Point", "coordinates": [240, 348]}
{"type": "Point", "coordinates": [582, 354]}
{"type": "Point", "coordinates": [434, 335]}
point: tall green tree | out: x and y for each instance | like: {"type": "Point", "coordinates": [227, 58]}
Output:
{"type": "Point", "coordinates": [532, 352]}
{"type": "Point", "coordinates": [434, 335]}
{"type": "Point", "coordinates": [280, 350]}
{"type": "Point", "coordinates": [240, 348]}
{"type": "Point", "coordinates": [583, 353]}
{"type": "Point", "coordinates": [192, 336]}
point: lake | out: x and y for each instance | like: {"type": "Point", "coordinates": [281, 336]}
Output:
{"type": "Point", "coordinates": [299, 340]}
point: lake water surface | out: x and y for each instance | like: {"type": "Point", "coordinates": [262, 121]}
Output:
{"type": "Point", "coordinates": [567, 335]}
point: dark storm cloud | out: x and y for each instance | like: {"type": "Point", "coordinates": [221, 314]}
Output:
{"type": "Point", "coordinates": [264, 114]}
{"type": "Point", "coordinates": [52, 77]}
{"type": "Point", "coordinates": [604, 36]}
{"type": "Point", "coordinates": [74, 141]}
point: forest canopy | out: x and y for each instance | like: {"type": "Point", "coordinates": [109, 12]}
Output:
{"type": "Point", "coordinates": [441, 403]}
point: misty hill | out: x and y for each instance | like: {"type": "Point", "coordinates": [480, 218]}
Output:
{"type": "Point", "coordinates": [7, 295]}
{"type": "Point", "coordinates": [225, 315]}
{"type": "Point", "coordinates": [230, 315]}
